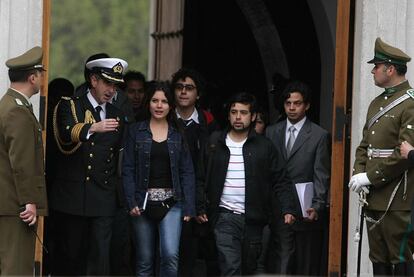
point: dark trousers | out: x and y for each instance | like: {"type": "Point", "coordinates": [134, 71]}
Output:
{"type": "Point", "coordinates": [297, 250]}
{"type": "Point", "coordinates": [239, 246]}
{"type": "Point", "coordinates": [82, 246]}
{"type": "Point", "coordinates": [122, 251]}
{"type": "Point", "coordinates": [197, 242]}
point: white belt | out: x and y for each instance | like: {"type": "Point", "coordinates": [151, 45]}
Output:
{"type": "Point", "coordinates": [379, 153]}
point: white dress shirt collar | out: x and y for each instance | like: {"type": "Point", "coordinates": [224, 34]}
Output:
{"type": "Point", "coordinates": [194, 116]}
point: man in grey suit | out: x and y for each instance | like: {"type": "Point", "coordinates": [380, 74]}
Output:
{"type": "Point", "coordinates": [305, 149]}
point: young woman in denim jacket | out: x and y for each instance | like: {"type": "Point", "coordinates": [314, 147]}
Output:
{"type": "Point", "coordinates": [157, 165]}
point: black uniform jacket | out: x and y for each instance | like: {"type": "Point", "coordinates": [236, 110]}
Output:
{"type": "Point", "coordinates": [264, 176]}
{"type": "Point", "coordinates": [86, 178]}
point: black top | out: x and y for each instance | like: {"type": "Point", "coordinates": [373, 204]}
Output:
{"type": "Point", "coordinates": [160, 170]}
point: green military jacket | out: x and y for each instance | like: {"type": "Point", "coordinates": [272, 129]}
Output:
{"type": "Point", "coordinates": [22, 178]}
{"type": "Point", "coordinates": [388, 132]}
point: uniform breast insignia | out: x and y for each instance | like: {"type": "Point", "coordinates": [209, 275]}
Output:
{"type": "Point", "coordinates": [89, 117]}
{"type": "Point", "coordinates": [19, 102]}
{"type": "Point", "coordinates": [410, 92]}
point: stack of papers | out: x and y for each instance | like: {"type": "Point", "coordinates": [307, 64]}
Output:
{"type": "Point", "coordinates": [305, 195]}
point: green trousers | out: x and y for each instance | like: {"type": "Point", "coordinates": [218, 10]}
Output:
{"type": "Point", "coordinates": [17, 247]}
{"type": "Point", "coordinates": [391, 241]}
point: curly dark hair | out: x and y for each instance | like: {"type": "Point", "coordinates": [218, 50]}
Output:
{"type": "Point", "coordinates": [185, 72]}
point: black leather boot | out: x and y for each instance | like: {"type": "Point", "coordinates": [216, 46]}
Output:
{"type": "Point", "coordinates": [381, 269]}
{"type": "Point", "coordinates": [404, 269]}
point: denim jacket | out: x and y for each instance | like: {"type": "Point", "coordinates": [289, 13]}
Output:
{"type": "Point", "coordinates": [136, 166]}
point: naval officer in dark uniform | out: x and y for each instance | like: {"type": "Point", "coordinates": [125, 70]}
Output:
{"type": "Point", "coordinates": [88, 130]}
{"type": "Point", "coordinates": [380, 172]}
{"type": "Point", "coordinates": [22, 180]}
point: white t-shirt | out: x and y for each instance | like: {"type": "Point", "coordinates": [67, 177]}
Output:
{"type": "Point", "coordinates": [233, 196]}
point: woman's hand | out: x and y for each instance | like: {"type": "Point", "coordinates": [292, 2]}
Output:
{"type": "Point", "coordinates": [135, 212]}
{"type": "Point", "coordinates": [187, 218]}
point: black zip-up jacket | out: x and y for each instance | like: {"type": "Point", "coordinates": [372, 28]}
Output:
{"type": "Point", "coordinates": [265, 178]}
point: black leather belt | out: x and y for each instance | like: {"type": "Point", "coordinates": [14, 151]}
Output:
{"type": "Point", "coordinates": [224, 210]}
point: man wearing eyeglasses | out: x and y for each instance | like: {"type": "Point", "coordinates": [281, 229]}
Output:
{"type": "Point", "coordinates": [380, 173]}
{"type": "Point", "coordinates": [198, 124]}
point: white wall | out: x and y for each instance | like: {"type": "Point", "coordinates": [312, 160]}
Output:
{"type": "Point", "coordinates": [392, 21]}
{"type": "Point", "coordinates": [20, 30]}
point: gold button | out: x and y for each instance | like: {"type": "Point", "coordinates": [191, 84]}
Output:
{"type": "Point", "coordinates": [91, 155]}
{"type": "Point", "coordinates": [108, 160]}
{"type": "Point", "coordinates": [87, 178]}
{"type": "Point", "coordinates": [373, 132]}
{"type": "Point", "coordinates": [89, 167]}
{"type": "Point", "coordinates": [106, 182]}
{"type": "Point", "coordinates": [385, 97]}
{"type": "Point", "coordinates": [381, 108]}
{"type": "Point", "coordinates": [67, 127]}
{"type": "Point", "coordinates": [106, 171]}
{"type": "Point", "coordinates": [111, 149]}
{"type": "Point", "coordinates": [92, 143]}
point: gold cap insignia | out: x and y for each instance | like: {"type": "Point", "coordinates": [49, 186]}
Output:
{"type": "Point", "coordinates": [118, 68]}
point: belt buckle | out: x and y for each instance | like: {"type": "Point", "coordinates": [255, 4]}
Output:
{"type": "Point", "coordinates": [370, 152]}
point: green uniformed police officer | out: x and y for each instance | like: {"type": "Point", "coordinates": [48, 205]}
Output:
{"type": "Point", "coordinates": [22, 181]}
{"type": "Point", "coordinates": [380, 173]}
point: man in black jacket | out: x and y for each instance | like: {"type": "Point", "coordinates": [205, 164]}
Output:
{"type": "Point", "coordinates": [196, 239]}
{"type": "Point", "coordinates": [240, 172]}
{"type": "Point", "coordinates": [88, 131]}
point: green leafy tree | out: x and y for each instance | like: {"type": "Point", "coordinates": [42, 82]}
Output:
{"type": "Point", "coordinates": [80, 29]}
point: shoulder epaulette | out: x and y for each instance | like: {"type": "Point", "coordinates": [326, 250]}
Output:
{"type": "Point", "coordinates": [410, 92]}
{"type": "Point", "coordinates": [19, 102]}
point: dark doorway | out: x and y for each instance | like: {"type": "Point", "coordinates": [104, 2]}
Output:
{"type": "Point", "coordinates": [220, 43]}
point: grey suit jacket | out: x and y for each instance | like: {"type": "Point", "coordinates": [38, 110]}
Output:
{"type": "Point", "coordinates": [309, 160]}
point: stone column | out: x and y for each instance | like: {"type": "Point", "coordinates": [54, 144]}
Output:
{"type": "Point", "coordinates": [20, 30]}
{"type": "Point", "coordinates": [165, 47]}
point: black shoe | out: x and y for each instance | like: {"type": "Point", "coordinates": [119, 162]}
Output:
{"type": "Point", "coordinates": [381, 269]}
{"type": "Point", "coordinates": [404, 269]}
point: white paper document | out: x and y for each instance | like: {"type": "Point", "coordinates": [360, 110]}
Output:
{"type": "Point", "coordinates": [305, 195]}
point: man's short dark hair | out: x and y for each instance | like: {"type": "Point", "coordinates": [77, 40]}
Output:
{"type": "Point", "coordinates": [297, 86]}
{"type": "Point", "coordinates": [184, 72]}
{"type": "Point", "coordinates": [21, 75]}
{"type": "Point", "coordinates": [243, 98]}
{"type": "Point", "coordinates": [134, 75]}
{"type": "Point", "coordinates": [400, 68]}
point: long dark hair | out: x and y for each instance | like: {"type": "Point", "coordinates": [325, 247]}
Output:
{"type": "Point", "coordinates": [172, 119]}
{"type": "Point", "coordinates": [164, 87]}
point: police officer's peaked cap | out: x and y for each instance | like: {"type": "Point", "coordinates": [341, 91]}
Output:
{"type": "Point", "coordinates": [29, 60]}
{"type": "Point", "coordinates": [385, 53]}
{"type": "Point", "coordinates": [111, 69]}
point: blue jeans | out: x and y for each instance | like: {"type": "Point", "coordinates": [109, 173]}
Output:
{"type": "Point", "coordinates": [169, 229]}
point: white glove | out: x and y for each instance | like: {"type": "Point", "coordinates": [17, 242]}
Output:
{"type": "Point", "coordinates": [359, 182]}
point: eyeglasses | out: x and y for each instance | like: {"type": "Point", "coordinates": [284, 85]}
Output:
{"type": "Point", "coordinates": [180, 86]}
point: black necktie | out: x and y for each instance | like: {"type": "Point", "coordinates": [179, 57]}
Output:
{"type": "Point", "coordinates": [187, 122]}
{"type": "Point", "coordinates": [98, 110]}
